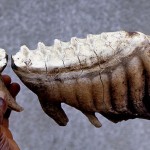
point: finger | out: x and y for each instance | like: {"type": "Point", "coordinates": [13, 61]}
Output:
{"type": "Point", "coordinates": [14, 89]}
{"type": "Point", "coordinates": [7, 113]}
{"type": "Point", "coordinates": [6, 79]}
{"type": "Point", "coordinates": [3, 106]}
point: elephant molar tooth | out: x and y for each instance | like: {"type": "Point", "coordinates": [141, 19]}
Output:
{"type": "Point", "coordinates": [107, 73]}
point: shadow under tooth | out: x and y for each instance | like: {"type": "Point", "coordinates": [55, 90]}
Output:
{"type": "Point", "coordinates": [121, 114]}
{"type": "Point", "coordinates": [146, 99]}
{"type": "Point", "coordinates": [145, 56]}
{"type": "Point", "coordinates": [136, 78]}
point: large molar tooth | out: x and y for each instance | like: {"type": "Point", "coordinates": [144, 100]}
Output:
{"type": "Point", "coordinates": [106, 52]}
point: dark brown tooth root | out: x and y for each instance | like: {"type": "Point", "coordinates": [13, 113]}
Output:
{"type": "Point", "coordinates": [136, 83]}
{"type": "Point", "coordinates": [84, 94]}
{"type": "Point", "coordinates": [101, 93]}
{"type": "Point", "coordinates": [54, 111]}
{"type": "Point", "coordinates": [68, 87]}
{"type": "Point", "coordinates": [145, 56]}
{"type": "Point", "coordinates": [119, 89]}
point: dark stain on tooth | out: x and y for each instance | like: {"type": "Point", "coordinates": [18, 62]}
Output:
{"type": "Point", "coordinates": [131, 34]}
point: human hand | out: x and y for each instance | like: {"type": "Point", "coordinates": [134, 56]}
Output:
{"type": "Point", "coordinates": [6, 138]}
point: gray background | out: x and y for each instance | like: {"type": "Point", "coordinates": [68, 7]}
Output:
{"type": "Point", "coordinates": [28, 22]}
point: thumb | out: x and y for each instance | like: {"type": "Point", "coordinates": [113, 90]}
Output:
{"type": "Point", "coordinates": [3, 106]}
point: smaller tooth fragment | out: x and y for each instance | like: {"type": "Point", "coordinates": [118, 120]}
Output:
{"type": "Point", "coordinates": [12, 104]}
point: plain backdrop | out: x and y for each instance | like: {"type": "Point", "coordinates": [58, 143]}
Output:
{"type": "Point", "coordinates": [28, 22]}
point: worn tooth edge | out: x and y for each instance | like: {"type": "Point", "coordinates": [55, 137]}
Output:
{"type": "Point", "coordinates": [57, 46]}
{"type": "Point", "coordinates": [25, 50]}
{"type": "Point", "coordinates": [42, 48]}
{"type": "Point", "coordinates": [57, 43]}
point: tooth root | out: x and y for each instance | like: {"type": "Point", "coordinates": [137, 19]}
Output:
{"type": "Point", "coordinates": [93, 119]}
{"type": "Point", "coordinates": [136, 83]}
{"type": "Point", "coordinates": [56, 112]}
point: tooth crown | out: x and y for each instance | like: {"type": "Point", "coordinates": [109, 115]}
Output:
{"type": "Point", "coordinates": [107, 73]}
{"type": "Point", "coordinates": [80, 52]}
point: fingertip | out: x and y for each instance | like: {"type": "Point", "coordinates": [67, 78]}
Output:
{"type": "Point", "coordinates": [6, 79]}
{"type": "Point", "coordinates": [3, 104]}
{"type": "Point", "coordinates": [14, 89]}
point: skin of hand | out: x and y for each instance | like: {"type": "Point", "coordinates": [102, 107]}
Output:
{"type": "Point", "coordinates": [6, 138]}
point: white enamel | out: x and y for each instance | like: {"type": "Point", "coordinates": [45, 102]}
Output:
{"type": "Point", "coordinates": [80, 51]}
{"type": "Point", "coordinates": [3, 60]}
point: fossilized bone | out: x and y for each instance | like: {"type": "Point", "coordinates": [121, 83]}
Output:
{"type": "Point", "coordinates": [9, 99]}
{"type": "Point", "coordinates": [107, 73]}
